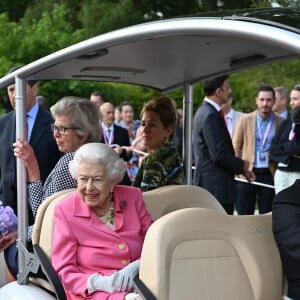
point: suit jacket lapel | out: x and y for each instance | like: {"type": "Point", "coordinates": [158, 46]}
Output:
{"type": "Point", "coordinates": [119, 216]}
{"type": "Point", "coordinates": [116, 139]}
{"type": "Point", "coordinates": [81, 210]}
{"type": "Point", "coordinates": [11, 139]}
{"type": "Point", "coordinates": [210, 106]}
{"type": "Point", "coordinates": [12, 128]}
{"type": "Point", "coordinates": [38, 128]}
{"type": "Point", "coordinates": [223, 124]}
{"type": "Point", "coordinates": [278, 122]}
{"type": "Point", "coordinates": [252, 130]}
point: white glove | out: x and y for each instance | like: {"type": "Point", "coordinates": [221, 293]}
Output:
{"type": "Point", "coordinates": [132, 296]}
{"type": "Point", "coordinates": [96, 282]}
{"type": "Point", "coordinates": [123, 279]}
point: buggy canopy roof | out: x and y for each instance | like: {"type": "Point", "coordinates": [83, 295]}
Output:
{"type": "Point", "coordinates": [167, 54]}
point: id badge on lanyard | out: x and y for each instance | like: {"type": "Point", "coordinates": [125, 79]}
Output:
{"type": "Point", "coordinates": [262, 159]}
{"type": "Point", "coordinates": [263, 155]}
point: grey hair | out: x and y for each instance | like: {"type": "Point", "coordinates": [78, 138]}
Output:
{"type": "Point", "coordinates": [98, 153]}
{"type": "Point", "coordinates": [83, 114]}
{"type": "Point", "coordinates": [283, 92]}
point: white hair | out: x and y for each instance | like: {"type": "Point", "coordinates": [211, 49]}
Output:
{"type": "Point", "coordinates": [98, 153]}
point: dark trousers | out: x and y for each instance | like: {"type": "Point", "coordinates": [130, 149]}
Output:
{"type": "Point", "coordinates": [291, 270]}
{"type": "Point", "coordinates": [14, 206]}
{"type": "Point", "coordinates": [236, 197]}
{"type": "Point", "coordinates": [249, 193]}
{"type": "Point", "coordinates": [11, 259]}
{"type": "Point", "coordinates": [286, 229]}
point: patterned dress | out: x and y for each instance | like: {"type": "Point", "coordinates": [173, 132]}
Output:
{"type": "Point", "coordinates": [161, 167]}
{"type": "Point", "coordinates": [59, 179]}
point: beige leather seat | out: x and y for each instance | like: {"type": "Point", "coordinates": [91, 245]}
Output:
{"type": "Point", "coordinates": [159, 202]}
{"type": "Point", "coordinates": [43, 230]}
{"type": "Point", "coordinates": [197, 253]}
{"type": "Point", "coordinates": [44, 223]}
{"type": "Point", "coordinates": [194, 252]}
{"type": "Point", "coordinates": [168, 198]}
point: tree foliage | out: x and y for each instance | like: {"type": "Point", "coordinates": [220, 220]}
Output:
{"type": "Point", "coordinates": [14, 9]}
{"type": "Point", "coordinates": [289, 3]}
{"type": "Point", "coordinates": [99, 17]}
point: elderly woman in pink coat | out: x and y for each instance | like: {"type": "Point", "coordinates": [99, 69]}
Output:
{"type": "Point", "coordinates": [99, 229]}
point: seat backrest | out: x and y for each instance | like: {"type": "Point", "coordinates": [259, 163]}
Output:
{"type": "Point", "coordinates": [197, 253]}
{"type": "Point", "coordinates": [42, 237]}
{"type": "Point", "coordinates": [44, 222]}
{"type": "Point", "coordinates": [168, 198]}
{"type": "Point", "coordinates": [159, 202]}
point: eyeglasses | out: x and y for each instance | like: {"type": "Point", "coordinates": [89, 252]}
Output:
{"type": "Point", "coordinates": [61, 129]}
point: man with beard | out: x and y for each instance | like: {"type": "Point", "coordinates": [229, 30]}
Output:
{"type": "Point", "coordinates": [251, 141]}
{"type": "Point", "coordinates": [216, 164]}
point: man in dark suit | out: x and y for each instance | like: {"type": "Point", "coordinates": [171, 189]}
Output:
{"type": "Point", "coordinates": [286, 229]}
{"type": "Point", "coordinates": [251, 142]}
{"type": "Point", "coordinates": [114, 135]}
{"type": "Point", "coordinates": [281, 102]}
{"type": "Point", "coordinates": [40, 138]}
{"type": "Point", "coordinates": [285, 150]}
{"type": "Point", "coordinates": [214, 154]}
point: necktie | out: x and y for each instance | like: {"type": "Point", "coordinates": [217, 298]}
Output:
{"type": "Point", "coordinates": [108, 132]}
{"type": "Point", "coordinates": [222, 114]}
{"type": "Point", "coordinates": [292, 132]}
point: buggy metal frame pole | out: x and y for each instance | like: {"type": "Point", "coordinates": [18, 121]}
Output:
{"type": "Point", "coordinates": [187, 134]}
{"type": "Point", "coordinates": [20, 99]}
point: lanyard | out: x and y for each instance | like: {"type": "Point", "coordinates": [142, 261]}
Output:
{"type": "Point", "coordinates": [108, 135]}
{"type": "Point", "coordinates": [264, 138]}
{"type": "Point", "coordinates": [292, 132]}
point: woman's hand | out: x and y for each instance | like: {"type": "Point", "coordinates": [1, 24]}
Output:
{"type": "Point", "coordinates": [120, 281]}
{"type": "Point", "coordinates": [25, 152]}
{"type": "Point", "coordinates": [132, 296]}
{"type": "Point", "coordinates": [8, 240]}
{"type": "Point", "coordinates": [123, 279]}
{"type": "Point", "coordinates": [97, 282]}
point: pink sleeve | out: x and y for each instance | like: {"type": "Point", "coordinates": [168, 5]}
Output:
{"type": "Point", "coordinates": [145, 217]}
{"type": "Point", "coordinates": [64, 262]}
{"type": "Point", "coordinates": [64, 254]}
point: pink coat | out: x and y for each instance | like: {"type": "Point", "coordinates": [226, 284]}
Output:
{"type": "Point", "coordinates": [84, 245]}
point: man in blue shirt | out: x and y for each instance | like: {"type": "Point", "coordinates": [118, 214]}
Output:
{"type": "Point", "coordinates": [41, 139]}
{"type": "Point", "coordinates": [251, 142]}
